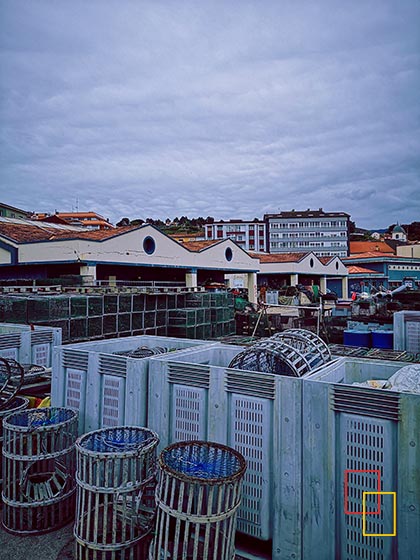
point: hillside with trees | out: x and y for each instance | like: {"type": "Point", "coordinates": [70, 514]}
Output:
{"type": "Point", "coordinates": [177, 225]}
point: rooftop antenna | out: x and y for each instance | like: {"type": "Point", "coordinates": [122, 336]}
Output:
{"type": "Point", "coordinates": [77, 204]}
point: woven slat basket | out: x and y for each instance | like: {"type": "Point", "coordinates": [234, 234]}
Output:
{"type": "Point", "coordinates": [39, 468]}
{"type": "Point", "coordinates": [116, 480]}
{"type": "Point", "coordinates": [198, 495]}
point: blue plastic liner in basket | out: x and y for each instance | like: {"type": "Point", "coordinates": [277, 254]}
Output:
{"type": "Point", "coordinates": [117, 440]}
{"type": "Point", "coordinates": [36, 418]}
{"type": "Point", "coordinates": [202, 461]}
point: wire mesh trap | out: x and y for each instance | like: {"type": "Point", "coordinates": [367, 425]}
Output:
{"type": "Point", "coordinates": [295, 352]}
{"type": "Point", "coordinates": [198, 495]}
{"type": "Point", "coordinates": [39, 467]}
{"type": "Point", "coordinates": [143, 352]}
{"type": "Point", "coordinates": [116, 480]}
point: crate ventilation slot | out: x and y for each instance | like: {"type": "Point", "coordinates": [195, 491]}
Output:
{"type": "Point", "coordinates": [9, 341]}
{"type": "Point", "coordinates": [112, 365]}
{"type": "Point", "coordinates": [75, 359]}
{"type": "Point", "coordinates": [252, 383]}
{"type": "Point", "coordinates": [195, 375]}
{"type": "Point", "coordinates": [370, 402]}
{"type": "Point", "coordinates": [41, 337]}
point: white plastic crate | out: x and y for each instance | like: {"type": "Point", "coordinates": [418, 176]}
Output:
{"type": "Point", "coordinates": [350, 428]}
{"type": "Point", "coordinates": [196, 396]}
{"type": "Point", "coordinates": [407, 331]}
{"type": "Point", "coordinates": [107, 389]}
{"type": "Point", "coordinates": [29, 345]}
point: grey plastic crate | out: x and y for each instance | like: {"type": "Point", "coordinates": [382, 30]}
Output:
{"type": "Point", "coordinates": [29, 345]}
{"type": "Point", "coordinates": [349, 428]}
{"type": "Point", "coordinates": [196, 396]}
{"type": "Point", "coordinates": [407, 331]}
{"type": "Point", "coordinates": [107, 389]}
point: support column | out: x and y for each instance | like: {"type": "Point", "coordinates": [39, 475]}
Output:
{"type": "Point", "coordinates": [345, 287]}
{"type": "Point", "coordinates": [191, 278]}
{"type": "Point", "coordinates": [294, 279]}
{"type": "Point", "coordinates": [323, 284]}
{"type": "Point", "coordinates": [252, 287]}
{"type": "Point", "coordinates": [88, 273]}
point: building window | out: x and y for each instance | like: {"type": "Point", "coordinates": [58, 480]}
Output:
{"type": "Point", "coordinates": [228, 254]}
{"type": "Point", "coordinates": [149, 245]}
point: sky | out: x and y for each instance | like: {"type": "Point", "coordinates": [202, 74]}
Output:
{"type": "Point", "coordinates": [225, 108]}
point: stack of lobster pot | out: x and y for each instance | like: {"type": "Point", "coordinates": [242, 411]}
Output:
{"type": "Point", "coordinates": [116, 480]}
{"type": "Point", "coordinates": [198, 495]}
{"type": "Point", "coordinates": [39, 467]}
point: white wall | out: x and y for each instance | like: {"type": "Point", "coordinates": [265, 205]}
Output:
{"type": "Point", "coordinates": [5, 256]}
{"type": "Point", "coordinates": [128, 248]}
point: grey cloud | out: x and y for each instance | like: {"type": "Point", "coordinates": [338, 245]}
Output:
{"type": "Point", "coordinates": [157, 109]}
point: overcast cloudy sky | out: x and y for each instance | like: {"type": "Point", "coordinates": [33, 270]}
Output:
{"type": "Point", "coordinates": [229, 109]}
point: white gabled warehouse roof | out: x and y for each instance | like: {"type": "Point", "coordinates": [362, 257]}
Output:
{"type": "Point", "coordinates": [30, 243]}
{"type": "Point", "coordinates": [300, 263]}
{"type": "Point", "coordinates": [27, 242]}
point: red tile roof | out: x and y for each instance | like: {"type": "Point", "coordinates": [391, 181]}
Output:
{"type": "Point", "coordinates": [367, 246]}
{"type": "Point", "coordinates": [372, 255]}
{"type": "Point", "coordinates": [361, 270]}
{"type": "Point", "coordinates": [278, 258]}
{"type": "Point", "coordinates": [40, 231]}
{"type": "Point", "coordinates": [326, 260]}
{"type": "Point", "coordinates": [197, 246]}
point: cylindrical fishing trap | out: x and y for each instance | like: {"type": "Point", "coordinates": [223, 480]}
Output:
{"type": "Point", "coordinates": [18, 403]}
{"type": "Point", "coordinates": [198, 495]}
{"type": "Point", "coordinates": [116, 480]}
{"type": "Point", "coordinates": [39, 467]}
{"type": "Point", "coordinates": [295, 352]}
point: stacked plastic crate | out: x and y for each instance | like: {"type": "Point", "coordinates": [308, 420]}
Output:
{"type": "Point", "coordinates": [196, 396]}
{"type": "Point", "coordinates": [361, 454]}
{"type": "Point", "coordinates": [28, 345]}
{"type": "Point", "coordinates": [107, 387]}
{"type": "Point", "coordinates": [407, 331]}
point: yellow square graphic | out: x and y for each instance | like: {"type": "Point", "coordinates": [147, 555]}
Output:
{"type": "Point", "coordinates": [394, 499]}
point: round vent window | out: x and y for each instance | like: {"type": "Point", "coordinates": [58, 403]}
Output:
{"type": "Point", "coordinates": [311, 263]}
{"type": "Point", "coordinates": [336, 265]}
{"type": "Point", "coordinates": [149, 245]}
{"type": "Point", "coordinates": [228, 254]}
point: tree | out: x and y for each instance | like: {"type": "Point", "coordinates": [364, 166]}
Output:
{"type": "Point", "coordinates": [123, 222]}
{"type": "Point", "coordinates": [413, 231]}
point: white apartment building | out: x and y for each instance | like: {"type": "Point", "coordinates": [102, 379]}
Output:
{"type": "Point", "coordinates": [324, 233]}
{"type": "Point", "coordinates": [251, 236]}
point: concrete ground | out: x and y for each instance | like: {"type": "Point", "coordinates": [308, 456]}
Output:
{"type": "Point", "coordinates": [57, 545]}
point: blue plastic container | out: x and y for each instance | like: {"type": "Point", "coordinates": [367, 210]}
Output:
{"type": "Point", "coordinates": [383, 339]}
{"type": "Point", "coordinates": [357, 338]}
